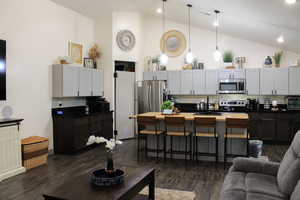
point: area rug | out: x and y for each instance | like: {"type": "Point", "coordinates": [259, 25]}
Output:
{"type": "Point", "coordinates": [165, 194]}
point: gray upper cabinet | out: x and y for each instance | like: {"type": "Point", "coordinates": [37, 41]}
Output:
{"type": "Point", "coordinates": [199, 82]}
{"type": "Point", "coordinates": [85, 82]}
{"type": "Point", "coordinates": [65, 81]}
{"type": "Point", "coordinates": [73, 81]}
{"type": "Point", "coordinates": [294, 86]}
{"type": "Point", "coordinates": [281, 81]}
{"type": "Point", "coordinates": [174, 80]}
{"type": "Point", "coordinates": [211, 82]}
{"type": "Point", "coordinates": [274, 81]}
{"type": "Point", "coordinates": [266, 82]}
{"type": "Point", "coordinates": [186, 82]}
{"type": "Point", "coordinates": [97, 83]}
{"type": "Point", "coordinates": [157, 75]}
{"type": "Point", "coordinates": [252, 81]}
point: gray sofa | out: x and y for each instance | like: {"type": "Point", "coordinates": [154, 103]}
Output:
{"type": "Point", "coordinates": [254, 179]}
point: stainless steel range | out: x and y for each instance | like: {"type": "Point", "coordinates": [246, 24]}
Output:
{"type": "Point", "coordinates": [233, 105]}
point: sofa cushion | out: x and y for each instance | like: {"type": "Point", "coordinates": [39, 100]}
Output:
{"type": "Point", "coordinates": [259, 196]}
{"type": "Point", "coordinates": [296, 192]}
{"type": "Point", "coordinates": [289, 170]}
{"type": "Point", "coordinates": [263, 184]}
{"type": "Point", "coordinates": [248, 186]}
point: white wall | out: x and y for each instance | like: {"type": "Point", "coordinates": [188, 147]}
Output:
{"type": "Point", "coordinates": [132, 21]}
{"type": "Point", "coordinates": [37, 32]}
{"type": "Point", "coordinates": [203, 46]}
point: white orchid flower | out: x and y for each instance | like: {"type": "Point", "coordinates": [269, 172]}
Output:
{"type": "Point", "coordinates": [99, 140]}
{"type": "Point", "coordinates": [110, 145]}
{"type": "Point", "coordinates": [91, 140]}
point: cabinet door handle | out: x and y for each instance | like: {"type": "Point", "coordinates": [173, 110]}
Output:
{"type": "Point", "coordinates": [91, 93]}
{"type": "Point", "coordinates": [77, 93]}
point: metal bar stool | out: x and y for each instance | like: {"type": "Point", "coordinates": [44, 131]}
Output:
{"type": "Point", "coordinates": [209, 123]}
{"type": "Point", "coordinates": [233, 123]}
{"type": "Point", "coordinates": [144, 121]}
{"type": "Point", "coordinates": [177, 122]}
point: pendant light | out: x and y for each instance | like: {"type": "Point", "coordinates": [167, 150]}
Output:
{"type": "Point", "coordinates": [163, 59]}
{"type": "Point", "coordinates": [189, 58]}
{"type": "Point", "coordinates": [217, 53]}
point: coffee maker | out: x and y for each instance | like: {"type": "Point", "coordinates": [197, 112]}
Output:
{"type": "Point", "coordinates": [252, 105]}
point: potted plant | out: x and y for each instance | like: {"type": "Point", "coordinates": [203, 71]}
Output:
{"type": "Point", "coordinates": [228, 59]}
{"type": "Point", "coordinates": [108, 176]}
{"type": "Point", "coordinates": [167, 107]}
{"type": "Point", "coordinates": [277, 58]}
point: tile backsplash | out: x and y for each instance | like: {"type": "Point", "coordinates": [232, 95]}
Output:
{"type": "Point", "coordinates": [217, 98]}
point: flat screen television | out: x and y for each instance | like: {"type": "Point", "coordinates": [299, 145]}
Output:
{"type": "Point", "coordinates": [2, 70]}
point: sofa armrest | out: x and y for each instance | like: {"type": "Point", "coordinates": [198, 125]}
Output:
{"type": "Point", "coordinates": [253, 165]}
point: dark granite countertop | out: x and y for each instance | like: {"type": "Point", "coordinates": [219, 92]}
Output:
{"type": "Point", "coordinates": [10, 121]}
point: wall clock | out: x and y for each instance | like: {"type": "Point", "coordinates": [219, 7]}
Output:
{"type": "Point", "coordinates": [126, 40]}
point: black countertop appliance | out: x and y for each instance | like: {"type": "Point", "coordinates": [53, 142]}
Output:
{"type": "Point", "coordinates": [97, 105]}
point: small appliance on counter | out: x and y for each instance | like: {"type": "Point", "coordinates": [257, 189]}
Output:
{"type": "Point", "coordinates": [267, 104]}
{"type": "Point", "coordinates": [233, 105]}
{"type": "Point", "coordinates": [97, 105]}
{"type": "Point", "coordinates": [293, 103]}
{"type": "Point", "coordinates": [274, 106]}
{"type": "Point", "coordinates": [252, 105]}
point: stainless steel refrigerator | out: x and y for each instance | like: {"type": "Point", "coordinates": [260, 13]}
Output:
{"type": "Point", "coordinates": [151, 95]}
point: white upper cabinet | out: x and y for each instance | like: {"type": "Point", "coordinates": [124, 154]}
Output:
{"type": "Point", "coordinates": [65, 81]}
{"type": "Point", "coordinates": [199, 82]}
{"type": "Point", "coordinates": [174, 80]}
{"type": "Point", "coordinates": [73, 81]}
{"type": "Point", "coordinates": [294, 75]}
{"type": "Point", "coordinates": [152, 76]}
{"type": "Point", "coordinates": [211, 82]}
{"type": "Point", "coordinates": [85, 82]}
{"type": "Point", "coordinates": [232, 74]}
{"type": "Point", "coordinates": [252, 81]}
{"type": "Point", "coordinates": [281, 81]}
{"type": "Point", "coordinates": [97, 83]}
{"type": "Point", "coordinates": [187, 82]}
{"type": "Point", "coordinates": [161, 75]}
{"type": "Point", "coordinates": [148, 76]}
{"type": "Point", "coordinates": [70, 81]}
{"type": "Point", "coordinates": [274, 81]}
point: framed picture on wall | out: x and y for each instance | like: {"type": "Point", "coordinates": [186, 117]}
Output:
{"type": "Point", "coordinates": [88, 62]}
{"type": "Point", "coordinates": [76, 52]}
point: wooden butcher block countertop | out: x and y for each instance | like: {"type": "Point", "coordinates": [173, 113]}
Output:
{"type": "Point", "coordinates": [191, 116]}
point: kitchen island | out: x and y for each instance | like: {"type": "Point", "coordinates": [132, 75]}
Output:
{"type": "Point", "coordinates": [235, 146]}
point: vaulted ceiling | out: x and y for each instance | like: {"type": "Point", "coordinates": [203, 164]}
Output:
{"type": "Point", "coordinates": [256, 20]}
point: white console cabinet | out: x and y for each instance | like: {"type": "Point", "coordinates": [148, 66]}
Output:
{"type": "Point", "coordinates": [10, 150]}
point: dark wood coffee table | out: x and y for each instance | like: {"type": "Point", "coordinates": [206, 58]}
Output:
{"type": "Point", "coordinates": [80, 188]}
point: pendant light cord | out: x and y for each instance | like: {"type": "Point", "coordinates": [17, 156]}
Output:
{"type": "Point", "coordinates": [190, 29]}
{"type": "Point", "coordinates": [164, 26]}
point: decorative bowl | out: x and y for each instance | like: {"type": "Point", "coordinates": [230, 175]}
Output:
{"type": "Point", "coordinates": [104, 178]}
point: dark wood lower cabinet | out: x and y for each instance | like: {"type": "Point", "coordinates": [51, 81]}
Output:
{"type": "Point", "coordinates": [275, 127]}
{"type": "Point", "coordinates": [71, 133]}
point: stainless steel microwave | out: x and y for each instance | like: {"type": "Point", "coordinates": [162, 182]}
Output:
{"type": "Point", "coordinates": [232, 86]}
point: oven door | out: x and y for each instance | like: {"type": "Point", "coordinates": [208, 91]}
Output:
{"type": "Point", "coordinates": [232, 87]}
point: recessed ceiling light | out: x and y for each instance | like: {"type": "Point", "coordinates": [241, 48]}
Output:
{"type": "Point", "coordinates": [290, 1]}
{"type": "Point", "coordinates": [159, 10]}
{"type": "Point", "coordinates": [280, 39]}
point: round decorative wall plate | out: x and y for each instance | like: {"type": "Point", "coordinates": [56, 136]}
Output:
{"type": "Point", "coordinates": [173, 43]}
{"type": "Point", "coordinates": [125, 40]}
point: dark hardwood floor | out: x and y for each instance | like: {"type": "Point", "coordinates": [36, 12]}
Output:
{"type": "Point", "coordinates": [204, 178]}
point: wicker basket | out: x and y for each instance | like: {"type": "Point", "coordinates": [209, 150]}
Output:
{"type": "Point", "coordinates": [34, 151]}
